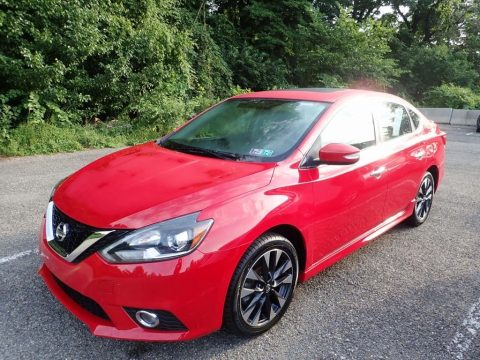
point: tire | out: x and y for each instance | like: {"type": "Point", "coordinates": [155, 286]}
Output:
{"type": "Point", "coordinates": [423, 200]}
{"type": "Point", "coordinates": [256, 300]}
{"type": "Point", "coordinates": [478, 125]}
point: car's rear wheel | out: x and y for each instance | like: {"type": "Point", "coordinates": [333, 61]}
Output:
{"type": "Point", "coordinates": [423, 200]}
{"type": "Point", "coordinates": [262, 286]}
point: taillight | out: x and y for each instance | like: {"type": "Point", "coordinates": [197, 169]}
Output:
{"type": "Point", "coordinates": [441, 133]}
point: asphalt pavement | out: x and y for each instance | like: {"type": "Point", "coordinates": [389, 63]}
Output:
{"type": "Point", "coordinates": [413, 293]}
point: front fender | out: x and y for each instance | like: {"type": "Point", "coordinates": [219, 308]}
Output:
{"type": "Point", "coordinates": [240, 221]}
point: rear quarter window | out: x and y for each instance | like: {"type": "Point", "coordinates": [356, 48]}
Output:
{"type": "Point", "coordinates": [415, 118]}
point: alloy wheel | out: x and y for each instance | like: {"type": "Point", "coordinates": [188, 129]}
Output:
{"type": "Point", "coordinates": [423, 201]}
{"type": "Point", "coordinates": [267, 285]}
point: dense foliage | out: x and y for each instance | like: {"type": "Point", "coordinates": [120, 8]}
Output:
{"type": "Point", "coordinates": [89, 73]}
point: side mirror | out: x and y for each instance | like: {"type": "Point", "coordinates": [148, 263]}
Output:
{"type": "Point", "coordinates": [339, 154]}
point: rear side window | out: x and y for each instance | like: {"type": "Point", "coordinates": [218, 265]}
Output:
{"type": "Point", "coordinates": [393, 120]}
{"type": "Point", "coordinates": [352, 125]}
{"type": "Point", "coordinates": [415, 118]}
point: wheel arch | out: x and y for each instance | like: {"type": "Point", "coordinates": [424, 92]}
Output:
{"type": "Point", "coordinates": [435, 173]}
{"type": "Point", "coordinates": [294, 235]}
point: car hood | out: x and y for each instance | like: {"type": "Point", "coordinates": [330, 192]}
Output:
{"type": "Point", "coordinates": [145, 184]}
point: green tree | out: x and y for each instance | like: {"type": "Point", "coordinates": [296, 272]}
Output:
{"type": "Point", "coordinates": [456, 97]}
{"type": "Point", "coordinates": [359, 10]}
{"type": "Point", "coordinates": [345, 52]}
{"type": "Point", "coordinates": [430, 21]}
{"type": "Point", "coordinates": [470, 41]}
{"type": "Point", "coordinates": [426, 67]}
{"type": "Point", "coordinates": [258, 38]}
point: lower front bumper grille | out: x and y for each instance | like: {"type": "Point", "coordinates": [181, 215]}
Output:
{"type": "Point", "coordinates": [85, 302]}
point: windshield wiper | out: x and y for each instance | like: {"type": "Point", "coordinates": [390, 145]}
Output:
{"type": "Point", "coordinates": [201, 151]}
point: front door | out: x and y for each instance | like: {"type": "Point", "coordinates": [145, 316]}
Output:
{"type": "Point", "coordinates": [349, 199]}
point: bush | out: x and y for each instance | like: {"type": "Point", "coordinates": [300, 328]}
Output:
{"type": "Point", "coordinates": [43, 138]}
{"type": "Point", "coordinates": [76, 62]}
{"type": "Point", "coordinates": [452, 96]}
{"type": "Point", "coordinates": [39, 137]}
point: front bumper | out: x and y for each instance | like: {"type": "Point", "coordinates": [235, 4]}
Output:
{"type": "Point", "coordinates": [192, 288]}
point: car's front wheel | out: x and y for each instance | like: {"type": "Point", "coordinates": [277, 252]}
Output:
{"type": "Point", "coordinates": [262, 286]}
{"type": "Point", "coordinates": [423, 200]}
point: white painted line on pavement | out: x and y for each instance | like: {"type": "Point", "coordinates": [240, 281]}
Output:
{"type": "Point", "coordinates": [469, 134]}
{"type": "Point", "coordinates": [464, 336]}
{"type": "Point", "coordinates": [16, 256]}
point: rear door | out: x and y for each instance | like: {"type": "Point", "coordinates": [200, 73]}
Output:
{"type": "Point", "coordinates": [404, 152]}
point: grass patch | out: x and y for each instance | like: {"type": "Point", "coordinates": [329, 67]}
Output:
{"type": "Point", "coordinates": [45, 138]}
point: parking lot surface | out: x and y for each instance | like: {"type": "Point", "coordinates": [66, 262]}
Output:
{"type": "Point", "coordinates": [413, 293]}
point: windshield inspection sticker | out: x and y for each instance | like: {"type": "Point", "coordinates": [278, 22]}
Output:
{"type": "Point", "coordinates": [261, 152]}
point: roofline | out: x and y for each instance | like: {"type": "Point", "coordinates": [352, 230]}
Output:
{"type": "Point", "coordinates": [330, 95]}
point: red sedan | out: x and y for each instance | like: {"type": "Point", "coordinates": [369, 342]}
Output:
{"type": "Point", "coordinates": [215, 223]}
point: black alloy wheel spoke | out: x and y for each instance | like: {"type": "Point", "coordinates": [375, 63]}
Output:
{"type": "Point", "coordinates": [253, 304]}
{"type": "Point", "coordinates": [286, 265]}
{"type": "Point", "coordinates": [258, 311]}
{"type": "Point", "coordinates": [285, 279]}
{"type": "Point", "coordinates": [247, 292]}
{"type": "Point", "coordinates": [266, 287]}
{"type": "Point", "coordinates": [265, 263]}
{"type": "Point", "coordinates": [253, 275]}
{"type": "Point", "coordinates": [268, 308]}
{"type": "Point", "coordinates": [279, 299]}
{"type": "Point", "coordinates": [272, 261]}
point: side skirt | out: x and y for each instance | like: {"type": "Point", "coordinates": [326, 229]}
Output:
{"type": "Point", "coordinates": [353, 245]}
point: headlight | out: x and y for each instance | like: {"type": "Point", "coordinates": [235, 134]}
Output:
{"type": "Point", "coordinates": [164, 240]}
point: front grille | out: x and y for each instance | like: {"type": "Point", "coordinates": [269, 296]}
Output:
{"type": "Point", "coordinates": [168, 321]}
{"type": "Point", "coordinates": [77, 232]}
{"type": "Point", "coordinates": [85, 302]}
{"type": "Point", "coordinates": [104, 241]}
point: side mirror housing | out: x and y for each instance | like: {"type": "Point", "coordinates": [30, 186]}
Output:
{"type": "Point", "coordinates": [339, 154]}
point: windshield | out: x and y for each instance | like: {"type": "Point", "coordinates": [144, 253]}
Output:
{"type": "Point", "coordinates": [257, 130]}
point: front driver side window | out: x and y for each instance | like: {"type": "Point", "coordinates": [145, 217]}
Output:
{"type": "Point", "coordinates": [351, 125]}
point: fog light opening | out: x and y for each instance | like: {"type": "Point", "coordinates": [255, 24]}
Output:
{"type": "Point", "coordinates": [147, 318]}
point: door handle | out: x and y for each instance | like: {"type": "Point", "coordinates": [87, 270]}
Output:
{"type": "Point", "coordinates": [419, 154]}
{"type": "Point", "coordinates": [378, 171]}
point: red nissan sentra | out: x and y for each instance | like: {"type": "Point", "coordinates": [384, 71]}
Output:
{"type": "Point", "coordinates": [215, 223]}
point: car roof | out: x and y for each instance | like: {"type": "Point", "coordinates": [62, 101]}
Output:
{"type": "Point", "coordinates": [312, 94]}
